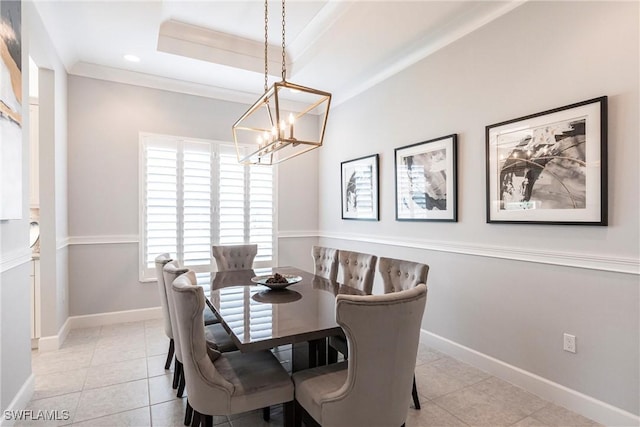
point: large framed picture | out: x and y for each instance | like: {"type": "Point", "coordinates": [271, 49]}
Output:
{"type": "Point", "coordinates": [426, 181]}
{"type": "Point", "coordinates": [549, 167]}
{"type": "Point", "coordinates": [11, 110]}
{"type": "Point", "coordinates": [359, 179]}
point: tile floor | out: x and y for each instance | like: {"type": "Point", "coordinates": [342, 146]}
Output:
{"type": "Point", "coordinates": [114, 376]}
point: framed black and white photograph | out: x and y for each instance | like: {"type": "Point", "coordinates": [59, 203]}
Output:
{"type": "Point", "coordinates": [359, 179]}
{"type": "Point", "coordinates": [549, 167]}
{"type": "Point", "coordinates": [426, 182]}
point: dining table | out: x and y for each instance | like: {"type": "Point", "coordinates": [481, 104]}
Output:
{"type": "Point", "coordinates": [303, 314]}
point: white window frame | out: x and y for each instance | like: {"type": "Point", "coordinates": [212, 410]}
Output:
{"type": "Point", "coordinates": [146, 274]}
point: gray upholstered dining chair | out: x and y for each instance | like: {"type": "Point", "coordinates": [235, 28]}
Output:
{"type": "Point", "coordinates": [371, 388]}
{"type": "Point", "coordinates": [217, 336]}
{"type": "Point", "coordinates": [325, 262]}
{"type": "Point", "coordinates": [234, 257]}
{"type": "Point", "coordinates": [399, 275]}
{"type": "Point", "coordinates": [358, 271]}
{"type": "Point", "coordinates": [160, 261]}
{"type": "Point", "coordinates": [224, 383]}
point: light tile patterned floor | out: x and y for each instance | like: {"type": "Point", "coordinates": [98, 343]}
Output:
{"type": "Point", "coordinates": [114, 376]}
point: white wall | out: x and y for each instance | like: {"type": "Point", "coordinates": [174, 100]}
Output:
{"type": "Point", "coordinates": [52, 78]}
{"type": "Point", "coordinates": [105, 119]}
{"type": "Point", "coordinates": [540, 56]}
{"type": "Point", "coordinates": [15, 264]}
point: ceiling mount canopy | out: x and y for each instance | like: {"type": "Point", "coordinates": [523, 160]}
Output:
{"type": "Point", "coordinates": [286, 121]}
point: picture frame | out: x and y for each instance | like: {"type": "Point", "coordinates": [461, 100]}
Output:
{"type": "Point", "coordinates": [360, 188]}
{"type": "Point", "coordinates": [549, 167]}
{"type": "Point", "coordinates": [11, 147]}
{"type": "Point", "coordinates": [426, 180]}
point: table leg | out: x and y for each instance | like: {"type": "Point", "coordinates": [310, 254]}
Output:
{"type": "Point", "coordinates": [322, 352]}
{"type": "Point", "coordinates": [332, 355]}
{"type": "Point", "coordinates": [313, 353]}
{"type": "Point", "coordinates": [299, 356]}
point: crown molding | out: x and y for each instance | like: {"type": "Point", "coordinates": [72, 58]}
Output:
{"type": "Point", "coordinates": [316, 28]}
{"type": "Point", "coordinates": [424, 47]}
{"type": "Point", "coordinates": [101, 72]}
{"type": "Point", "coordinates": [117, 75]}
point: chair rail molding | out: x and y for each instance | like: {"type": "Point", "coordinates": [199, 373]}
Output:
{"type": "Point", "coordinates": [586, 261]}
{"type": "Point", "coordinates": [104, 239]}
{"type": "Point", "coordinates": [298, 234]}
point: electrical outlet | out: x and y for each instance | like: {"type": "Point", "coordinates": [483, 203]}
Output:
{"type": "Point", "coordinates": [569, 343]}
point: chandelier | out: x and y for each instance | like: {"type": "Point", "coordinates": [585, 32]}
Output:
{"type": "Point", "coordinates": [286, 121]}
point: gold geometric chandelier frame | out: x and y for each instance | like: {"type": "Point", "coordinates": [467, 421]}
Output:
{"type": "Point", "coordinates": [268, 133]}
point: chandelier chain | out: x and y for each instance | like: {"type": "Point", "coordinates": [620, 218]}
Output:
{"type": "Point", "coordinates": [284, 64]}
{"type": "Point", "coordinates": [266, 44]}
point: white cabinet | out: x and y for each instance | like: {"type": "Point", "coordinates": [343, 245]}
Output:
{"type": "Point", "coordinates": [34, 163]}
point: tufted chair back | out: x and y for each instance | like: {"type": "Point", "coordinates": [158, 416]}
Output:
{"type": "Point", "coordinates": [161, 260]}
{"type": "Point", "coordinates": [325, 262]}
{"type": "Point", "coordinates": [171, 271]}
{"type": "Point", "coordinates": [358, 270]}
{"type": "Point", "coordinates": [371, 323]}
{"type": "Point", "coordinates": [399, 275]}
{"type": "Point", "coordinates": [234, 257]}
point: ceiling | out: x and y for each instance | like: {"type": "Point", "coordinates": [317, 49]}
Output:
{"type": "Point", "coordinates": [216, 48]}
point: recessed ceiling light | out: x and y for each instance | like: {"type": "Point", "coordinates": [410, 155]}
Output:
{"type": "Point", "coordinates": [132, 58]}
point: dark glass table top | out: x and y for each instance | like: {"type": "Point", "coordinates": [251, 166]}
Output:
{"type": "Point", "coordinates": [259, 318]}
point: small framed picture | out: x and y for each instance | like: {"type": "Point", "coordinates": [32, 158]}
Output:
{"type": "Point", "coordinates": [360, 188]}
{"type": "Point", "coordinates": [549, 167]}
{"type": "Point", "coordinates": [426, 182]}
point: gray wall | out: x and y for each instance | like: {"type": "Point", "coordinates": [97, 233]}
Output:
{"type": "Point", "coordinates": [540, 56]}
{"type": "Point", "coordinates": [105, 119]}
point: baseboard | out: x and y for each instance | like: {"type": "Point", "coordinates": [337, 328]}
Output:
{"type": "Point", "coordinates": [20, 400]}
{"type": "Point", "coordinates": [101, 319]}
{"type": "Point", "coordinates": [54, 342]}
{"type": "Point", "coordinates": [580, 403]}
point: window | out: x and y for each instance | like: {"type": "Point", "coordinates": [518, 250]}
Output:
{"type": "Point", "coordinates": [195, 194]}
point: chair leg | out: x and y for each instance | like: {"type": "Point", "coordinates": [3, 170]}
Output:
{"type": "Point", "coordinates": [301, 415]}
{"type": "Point", "coordinates": [167, 364]}
{"type": "Point", "coordinates": [188, 414]}
{"type": "Point", "coordinates": [266, 413]}
{"type": "Point", "coordinates": [177, 371]}
{"type": "Point", "coordinates": [289, 414]}
{"type": "Point", "coordinates": [208, 420]}
{"type": "Point", "coordinates": [297, 414]}
{"type": "Point", "coordinates": [414, 393]}
{"type": "Point", "coordinates": [195, 420]}
{"type": "Point", "coordinates": [181, 384]}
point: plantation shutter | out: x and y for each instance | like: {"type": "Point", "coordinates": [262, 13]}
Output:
{"type": "Point", "coordinates": [160, 199]}
{"type": "Point", "coordinates": [195, 194]}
